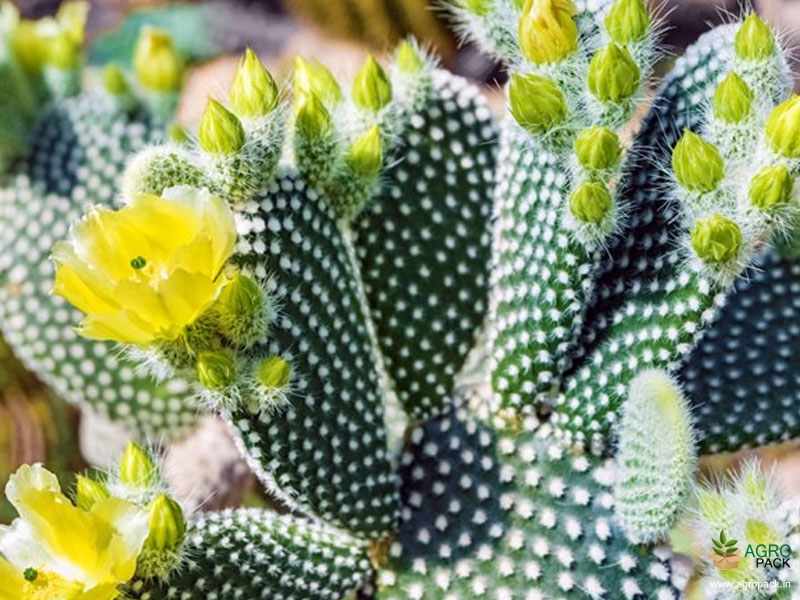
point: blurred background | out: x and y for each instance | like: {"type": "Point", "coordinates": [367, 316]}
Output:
{"type": "Point", "coordinates": [36, 426]}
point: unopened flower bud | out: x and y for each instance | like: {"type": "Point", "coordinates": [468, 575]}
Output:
{"type": "Point", "coordinates": [312, 119]}
{"type": "Point", "coordinates": [409, 60]}
{"type": "Point", "coordinates": [61, 51]}
{"type": "Point", "coordinates": [156, 63]}
{"type": "Point", "coordinates": [312, 77]}
{"type": "Point", "coordinates": [547, 31]}
{"type": "Point", "coordinates": [717, 239]}
{"type": "Point", "coordinates": [372, 89]}
{"type": "Point", "coordinates": [273, 372]}
{"type": "Point", "coordinates": [137, 468]}
{"type": "Point", "coordinates": [88, 492]}
{"type": "Point", "coordinates": [771, 186]}
{"type": "Point", "coordinates": [220, 131]}
{"type": "Point", "coordinates": [114, 80]}
{"type": "Point", "coordinates": [536, 102]}
{"type": "Point", "coordinates": [733, 100]}
{"type": "Point", "coordinates": [627, 21]}
{"type": "Point", "coordinates": [613, 74]}
{"type": "Point", "coordinates": [754, 40]}
{"type": "Point", "coordinates": [591, 202]}
{"type": "Point", "coordinates": [598, 148]}
{"type": "Point", "coordinates": [365, 156]}
{"type": "Point", "coordinates": [477, 7]}
{"type": "Point", "coordinates": [167, 525]}
{"type": "Point", "coordinates": [783, 128]}
{"type": "Point", "coordinates": [241, 298]}
{"type": "Point", "coordinates": [254, 92]}
{"type": "Point", "coordinates": [216, 370]}
{"type": "Point", "coordinates": [697, 164]}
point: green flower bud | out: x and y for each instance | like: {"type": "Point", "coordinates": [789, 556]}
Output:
{"type": "Point", "coordinates": [365, 156]}
{"type": "Point", "coordinates": [216, 370]}
{"type": "Point", "coordinates": [613, 74]}
{"type": "Point", "coordinates": [167, 525]}
{"type": "Point", "coordinates": [273, 372]}
{"type": "Point", "coordinates": [312, 119]}
{"type": "Point", "coordinates": [591, 202]}
{"type": "Point", "coordinates": [220, 131]}
{"type": "Point", "coordinates": [733, 100]}
{"type": "Point", "coordinates": [628, 21]}
{"type": "Point", "coordinates": [254, 92]}
{"type": "Point", "coordinates": [547, 31]}
{"type": "Point", "coordinates": [409, 60]}
{"type": "Point", "coordinates": [114, 80]}
{"type": "Point", "coordinates": [314, 78]}
{"type": "Point", "coordinates": [71, 17]}
{"type": "Point", "coordinates": [372, 89]}
{"type": "Point", "coordinates": [89, 491]}
{"type": "Point", "coordinates": [717, 239]}
{"type": "Point", "coordinates": [783, 128]}
{"type": "Point", "coordinates": [241, 298]}
{"type": "Point", "coordinates": [771, 186]}
{"type": "Point", "coordinates": [137, 468]}
{"type": "Point", "coordinates": [477, 7]}
{"type": "Point", "coordinates": [61, 51]}
{"type": "Point", "coordinates": [536, 102]}
{"type": "Point", "coordinates": [754, 40]}
{"type": "Point", "coordinates": [598, 148]}
{"type": "Point", "coordinates": [697, 164]}
{"type": "Point", "coordinates": [156, 63]}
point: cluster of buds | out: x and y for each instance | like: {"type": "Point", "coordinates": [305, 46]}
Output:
{"type": "Point", "coordinates": [735, 178]}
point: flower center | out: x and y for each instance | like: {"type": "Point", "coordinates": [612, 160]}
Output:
{"type": "Point", "coordinates": [46, 586]}
{"type": "Point", "coordinates": [30, 574]}
{"type": "Point", "coordinates": [138, 263]}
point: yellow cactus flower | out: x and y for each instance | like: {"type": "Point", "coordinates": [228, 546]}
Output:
{"type": "Point", "coordinates": [145, 272]}
{"type": "Point", "coordinates": [57, 551]}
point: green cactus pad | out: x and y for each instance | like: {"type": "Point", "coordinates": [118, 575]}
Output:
{"type": "Point", "coordinates": [536, 307]}
{"type": "Point", "coordinates": [78, 151]}
{"type": "Point", "coordinates": [743, 378]}
{"type": "Point", "coordinates": [79, 146]}
{"type": "Point", "coordinates": [510, 514]}
{"type": "Point", "coordinates": [423, 243]}
{"type": "Point", "coordinates": [260, 554]}
{"type": "Point", "coordinates": [647, 310]}
{"type": "Point", "coordinates": [292, 238]}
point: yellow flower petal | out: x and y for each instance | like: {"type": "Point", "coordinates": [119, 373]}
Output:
{"type": "Point", "coordinates": [12, 584]}
{"type": "Point", "coordinates": [131, 524]}
{"type": "Point", "coordinates": [124, 327]}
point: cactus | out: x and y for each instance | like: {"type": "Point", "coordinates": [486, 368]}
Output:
{"type": "Point", "coordinates": [318, 268]}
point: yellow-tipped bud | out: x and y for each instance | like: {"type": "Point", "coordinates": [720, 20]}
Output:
{"type": "Point", "coordinates": [547, 31]}
{"type": "Point", "coordinates": [717, 239]}
{"type": "Point", "coordinates": [598, 149]}
{"type": "Point", "coordinates": [167, 524]}
{"type": "Point", "coordinates": [613, 74]}
{"type": "Point", "coordinates": [312, 119]}
{"type": "Point", "coordinates": [536, 102]}
{"type": "Point", "coordinates": [114, 80]}
{"type": "Point", "coordinates": [783, 128]}
{"type": "Point", "coordinates": [241, 298]}
{"type": "Point", "coordinates": [771, 186]}
{"type": "Point", "coordinates": [365, 155]}
{"type": "Point", "coordinates": [697, 164]}
{"type": "Point", "coordinates": [409, 60]}
{"type": "Point", "coordinates": [156, 62]}
{"type": "Point", "coordinates": [254, 92]}
{"type": "Point", "coordinates": [754, 40]}
{"type": "Point", "coordinates": [60, 51]}
{"type": "Point", "coordinates": [137, 468]}
{"type": "Point", "coordinates": [372, 89]}
{"type": "Point", "coordinates": [628, 21]}
{"type": "Point", "coordinates": [28, 46]}
{"type": "Point", "coordinates": [88, 492]}
{"type": "Point", "coordinates": [71, 17]}
{"type": "Point", "coordinates": [477, 7]}
{"type": "Point", "coordinates": [274, 372]}
{"type": "Point", "coordinates": [733, 100]}
{"type": "Point", "coordinates": [216, 370]}
{"type": "Point", "coordinates": [591, 202]}
{"type": "Point", "coordinates": [312, 77]}
{"type": "Point", "coordinates": [220, 130]}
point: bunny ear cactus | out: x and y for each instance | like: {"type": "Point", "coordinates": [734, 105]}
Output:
{"type": "Point", "coordinates": [318, 268]}
{"type": "Point", "coordinates": [72, 149]}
